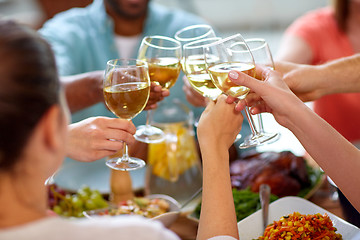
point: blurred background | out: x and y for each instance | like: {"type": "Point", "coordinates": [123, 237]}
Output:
{"type": "Point", "coordinates": [256, 18]}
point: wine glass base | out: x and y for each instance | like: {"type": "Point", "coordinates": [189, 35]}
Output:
{"type": "Point", "coordinates": [128, 165]}
{"type": "Point", "coordinates": [260, 139]}
{"type": "Point", "coordinates": [149, 134]}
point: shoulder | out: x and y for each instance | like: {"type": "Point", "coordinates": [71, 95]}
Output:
{"type": "Point", "coordinates": [316, 20]}
{"type": "Point", "coordinates": [74, 20]}
{"type": "Point", "coordinates": [122, 227]}
{"type": "Point", "coordinates": [126, 227]}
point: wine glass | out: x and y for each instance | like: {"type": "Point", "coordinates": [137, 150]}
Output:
{"type": "Point", "coordinates": [190, 34]}
{"type": "Point", "coordinates": [163, 56]}
{"type": "Point", "coordinates": [126, 92]}
{"type": "Point", "coordinates": [232, 53]}
{"type": "Point", "coordinates": [263, 57]}
{"type": "Point", "coordinates": [194, 67]}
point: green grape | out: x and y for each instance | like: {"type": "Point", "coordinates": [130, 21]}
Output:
{"type": "Point", "coordinates": [58, 210]}
{"type": "Point", "coordinates": [90, 205]}
{"type": "Point", "coordinates": [77, 202]}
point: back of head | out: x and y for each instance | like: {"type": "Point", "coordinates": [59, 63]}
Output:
{"type": "Point", "coordinates": [28, 87]}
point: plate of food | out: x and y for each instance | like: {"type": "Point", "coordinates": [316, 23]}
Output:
{"type": "Point", "coordinates": [155, 206]}
{"type": "Point", "coordinates": [251, 227]}
{"type": "Point", "coordinates": [286, 174]}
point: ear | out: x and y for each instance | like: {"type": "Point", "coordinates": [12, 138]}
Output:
{"type": "Point", "coordinates": [54, 129]}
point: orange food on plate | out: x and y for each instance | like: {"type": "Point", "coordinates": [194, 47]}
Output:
{"type": "Point", "coordinates": [298, 226]}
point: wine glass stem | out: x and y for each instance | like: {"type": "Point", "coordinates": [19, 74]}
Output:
{"type": "Point", "coordinates": [149, 115]}
{"type": "Point", "coordinates": [260, 121]}
{"type": "Point", "coordinates": [125, 157]}
{"type": "Point", "coordinates": [251, 122]}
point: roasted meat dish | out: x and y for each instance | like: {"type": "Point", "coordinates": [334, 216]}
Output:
{"type": "Point", "coordinates": [283, 171]}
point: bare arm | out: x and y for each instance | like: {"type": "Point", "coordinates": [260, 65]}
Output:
{"type": "Point", "coordinates": [217, 215]}
{"type": "Point", "coordinates": [86, 89]}
{"type": "Point", "coordinates": [312, 82]}
{"type": "Point", "coordinates": [336, 156]}
{"type": "Point", "coordinates": [83, 90]}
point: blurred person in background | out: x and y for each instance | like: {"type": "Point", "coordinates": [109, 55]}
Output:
{"type": "Point", "coordinates": [316, 38]}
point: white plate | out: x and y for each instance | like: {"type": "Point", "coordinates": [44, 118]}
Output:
{"type": "Point", "coordinates": [251, 227]}
{"type": "Point", "coordinates": [73, 175]}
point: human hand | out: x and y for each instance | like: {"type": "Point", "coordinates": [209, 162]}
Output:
{"type": "Point", "coordinates": [192, 96]}
{"type": "Point", "coordinates": [306, 81]}
{"type": "Point", "coordinates": [98, 137]}
{"type": "Point", "coordinates": [219, 124]}
{"type": "Point", "coordinates": [270, 95]}
{"type": "Point", "coordinates": [157, 94]}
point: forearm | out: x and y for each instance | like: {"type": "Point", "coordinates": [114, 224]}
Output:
{"type": "Point", "coordinates": [83, 90]}
{"type": "Point", "coordinates": [335, 155]}
{"type": "Point", "coordinates": [217, 209]}
{"type": "Point", "coordinates": [342, 75]}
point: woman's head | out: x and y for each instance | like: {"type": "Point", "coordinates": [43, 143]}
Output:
{"type": "Point", "coordinates": [29, 86]}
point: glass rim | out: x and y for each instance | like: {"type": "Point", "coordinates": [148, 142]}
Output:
{"type": "Point", "coordinates": [182, 39]}
{"type": "Point", "coordinates": [114, 62]}
{"type": "Point", "coordinates": [222, 40]}
{"type": "Point", "coordinates": [262, 41]}
{"type": "Point", "coordinates": [189, 45]}
{"type": "Point", "coordinates": [145, 41]}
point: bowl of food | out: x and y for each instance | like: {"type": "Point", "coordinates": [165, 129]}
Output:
{"type": "Point", "coordinates": [158, 207]}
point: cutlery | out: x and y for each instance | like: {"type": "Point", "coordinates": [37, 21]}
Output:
{"type": "Point", "coordinates": [265, 191]}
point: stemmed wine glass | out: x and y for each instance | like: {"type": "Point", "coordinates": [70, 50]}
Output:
{"type": "Point", "coordinates": [195, 69]}
{"type": "Point", "coordinates": [232, 53]}
{"type": "Point", "coordinates": [190, 34]}
{"type": "Point", "coordinates": [163, 55]}
{"type": "Point", "coordinates": [263, 57]}
{"type": "Point", "coordinates": [126, 92]}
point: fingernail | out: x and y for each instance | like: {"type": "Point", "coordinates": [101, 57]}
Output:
{"type": "Point", "coordinates": [233, 74]}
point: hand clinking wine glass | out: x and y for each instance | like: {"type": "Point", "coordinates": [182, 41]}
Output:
{"type": "Point", "coordinates": [163, 56]}
{"type": "Point", "coordinates": [126, 92]}
{"type": "Point", "coordinates": [232, 53]}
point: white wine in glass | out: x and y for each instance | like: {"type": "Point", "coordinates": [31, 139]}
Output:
{"type": "Point", "coordinates": [195, 69]}
{"type": "Point", "coordinates": [126, 92]}
{"type": "Point", "coordinates": [163, 56]}
{"type": "Point", "coordinates": [196, 76]}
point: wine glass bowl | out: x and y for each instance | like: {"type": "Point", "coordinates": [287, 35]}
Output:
{"type": "Point", "coordinates": [195, 69]}
{"type": "Point", "coordinates": [225, 55]}
{"type": "Point", "coordinates": [194, 33]}
{"type": "Point", "coordinates": [163, 56]}
{"type": "Point", "coordinates": [126, 89]}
